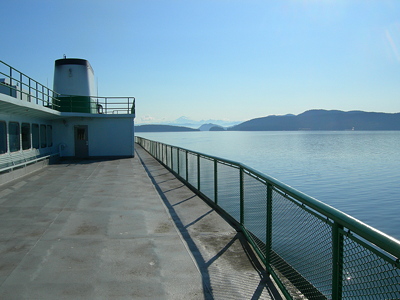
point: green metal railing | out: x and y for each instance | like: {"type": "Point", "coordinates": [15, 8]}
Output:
{"type": "Point", "coordinates": [23, 87]}
{"type": "Point", "coordinates": [312, 250]}
{"type": "Point", "coordinates": [96, 105]}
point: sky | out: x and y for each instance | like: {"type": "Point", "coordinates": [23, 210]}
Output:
{"type": "Point", "coordinates": [230, 60]}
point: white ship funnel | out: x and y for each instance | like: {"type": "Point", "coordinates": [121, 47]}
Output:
{"type": "Point", "coordinates": [74, 80]}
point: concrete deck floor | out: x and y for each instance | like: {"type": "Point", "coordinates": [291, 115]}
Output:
{"type": "Point", "coordinates": [119, 229]}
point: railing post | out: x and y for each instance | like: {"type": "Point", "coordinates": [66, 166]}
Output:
{"type": "Point", "coordinates": [215, 181]}
{"type": "Point", "coordinates": [165, 159]}
{"type": "Point", "coordinates": [337, 261]}
{"type": "Point", "coordinates": [20, 86]}
{"type": "Point", "coordinates": [241, 184]}
{"type": "Point", "coordinates": [268, 229]}
{"type": "Point", "coordinates": [172, 158]}
{"type": "Point", "coordinates": [166, 155]}
{"type": "Point", "coordinates": [11, 82]}
{"type": "Point", "coordinates": [177, 156]}
{"type": "Point", "coordinates": [29, 97]}
{"type": "Point", "coordinates": [37, 93]}
{"type": "Point", "coordinates": [187, 166]}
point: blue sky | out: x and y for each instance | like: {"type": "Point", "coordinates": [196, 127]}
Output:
{"type": "Point", "coordinates": [217, 59]}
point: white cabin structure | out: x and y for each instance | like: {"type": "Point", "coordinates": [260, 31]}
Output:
{"type": "Point", "coordinates": [38, 124]}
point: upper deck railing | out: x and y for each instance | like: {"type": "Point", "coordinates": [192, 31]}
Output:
{"type": "Point", "coordinates": [312, 250]}
{"type": "Point", "coordinates": [20, 86]}
{"type": "Point", "coordinates": [96, 105]}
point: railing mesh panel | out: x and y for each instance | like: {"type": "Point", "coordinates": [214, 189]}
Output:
{"type": "Point", "coordinates": [168, 156]}
{"type": "Point", "coordinates": [366, 275]}
{"type": "Point", "coordinates": [182, 164]}
{"type": "Point", "coordinates": [229, 189]}
{"type": "Point", "coordinates": [192, 169]}
{"type": "Point", "coordinates": [175, 159]}
{"type": "Point", "coordinates": [207, 177]}
{"type": "Point", "coordinates": [164, 154]}
{"type": "Point", "coordinates": [302, 245]}
{"type": "Point", "coordinates": [161, 153]}
{"type": "Point", "coordinates": [255, 210]}
{"type": "Point", "coordinates": [157, 150]}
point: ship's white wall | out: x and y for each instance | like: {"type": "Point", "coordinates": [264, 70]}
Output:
{"type": "Point", "coordinates": [108, 136]}
{"type": "Point", "coordinates": [74, 79]}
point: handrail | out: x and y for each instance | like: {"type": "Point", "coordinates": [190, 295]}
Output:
{"type": "Point", "coordinates": [370, 233]}
{"type": "Point", "coordinates": [358, 259]}
{"type": "Point", "coordinates": [28, 162]}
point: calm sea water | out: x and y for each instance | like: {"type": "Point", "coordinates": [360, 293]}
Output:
{"type": "Point", "coordinates": [357, 172]}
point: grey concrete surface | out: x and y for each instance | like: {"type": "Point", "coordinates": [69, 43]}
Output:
{"type": "Point", "coordinates": [119, 229]}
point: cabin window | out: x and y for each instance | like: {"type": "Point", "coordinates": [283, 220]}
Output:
{"type": "Point", "coordinates": [43, 142]}
{"type": "Point", "coordinates": [3, 137]}
{"type": "Point", "coordinates": [14, 137]}
{"type": "Point", "coordinates": [26, 136]}
{"type": "Point", "coordinates": [35, 136]}
{"type": "Point", "coordinates": [49, 135]}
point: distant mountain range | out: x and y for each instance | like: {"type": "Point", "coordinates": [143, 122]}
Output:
{"type": "Point", "coordinates": [186, 122]}
{"type": "Point", "coordinates": [324, 120]}
{"type": "Point", "coordinates": [162, 128]}
{"type": "Point", "coordinates": [309, 120]}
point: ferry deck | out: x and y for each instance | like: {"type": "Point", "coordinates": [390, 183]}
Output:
{"type": "Point", "coordinates": [119, 229]}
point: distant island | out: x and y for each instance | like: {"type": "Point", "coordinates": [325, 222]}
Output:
{"type": "Point", "coordinates": [317, 119]}
{"type": "Point", "coordinates": [217, 128]}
